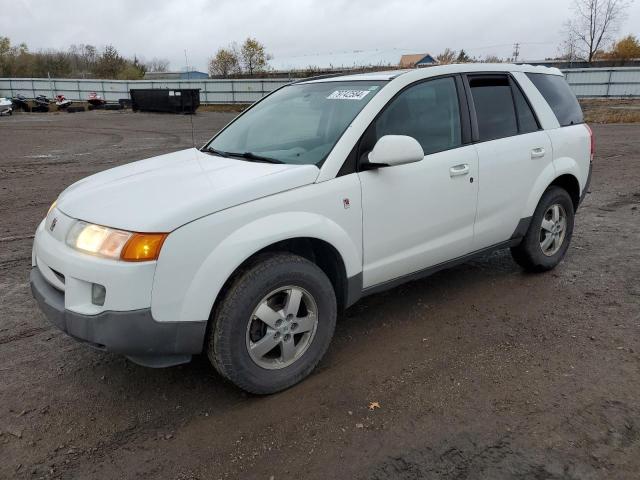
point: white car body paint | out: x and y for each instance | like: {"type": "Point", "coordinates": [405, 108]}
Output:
{"type": "Point", "coordinates": [162, 193]}
{"type": "Point", "coordinates": [385, 224]}
{"type": "Point", "coordinates": [506, 170]}
{"type": "Point", "coordinates": [405, 230]}
{"type": "Point", "coordinates": [190, 273]}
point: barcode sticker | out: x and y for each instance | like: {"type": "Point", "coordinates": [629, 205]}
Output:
{"type": "Point", "coordinates": [348, 95]}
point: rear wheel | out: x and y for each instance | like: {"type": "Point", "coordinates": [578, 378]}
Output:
{"type": "Point", "coordinates": [274, 324]}
{"type": "Point", "coordinates": [547, 240]}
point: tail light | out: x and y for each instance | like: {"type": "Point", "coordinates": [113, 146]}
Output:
{"type": "Point", "coordinates": [592, 139]}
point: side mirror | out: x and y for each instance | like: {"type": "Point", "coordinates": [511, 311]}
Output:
{"type": "Point", "coordinates": [393, 150]}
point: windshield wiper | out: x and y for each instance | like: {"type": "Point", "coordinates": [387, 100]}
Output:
{"type": "Point", "coordinates": [220, 153]}
{"type": "Point", "coordinates": [253, 157]}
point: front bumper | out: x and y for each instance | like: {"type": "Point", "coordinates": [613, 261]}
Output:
{"type": "Point", "coordinates": [134, 333]}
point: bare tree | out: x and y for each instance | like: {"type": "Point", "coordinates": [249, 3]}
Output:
{"type": "Point", "coordinates": [253, 56]}
{"type": "Point", "coordinates": [157, 65]}
{"type": "Point", "coordinates": [492, 59]}
{"type": "Point", "coordinates": [446, 57]}
{"type": "Point", "coordinates": [83, 59]}
{"type": "Point", "coordinates": [225, 62]}
{"type": "Point", "coordinates": [567, 50]}
{"type": "Point", "coordinates": [593, 25]}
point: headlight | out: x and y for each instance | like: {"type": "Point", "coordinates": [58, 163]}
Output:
{"type": "Point", "coordinates": [115, 244]}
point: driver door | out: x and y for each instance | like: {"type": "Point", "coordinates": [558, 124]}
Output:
{"type": "Point", "coordinates": [421, 214]}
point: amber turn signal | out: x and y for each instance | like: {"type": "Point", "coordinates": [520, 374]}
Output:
{"type": "Point", "coordinates": [142, 247]}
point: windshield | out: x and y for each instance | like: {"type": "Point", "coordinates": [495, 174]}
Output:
{"type": "Point", "coordinates": [298, 124]}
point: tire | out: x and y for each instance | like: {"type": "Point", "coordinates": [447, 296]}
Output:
{"type": "Point", "coordinates": [529, 254]}
{"type": "Point", "coordinates": [265, 289]}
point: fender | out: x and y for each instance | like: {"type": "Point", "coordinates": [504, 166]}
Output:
{"type": "Point", "coordinates": [235, 249]}
{"type": "Point", "coordinates": [545, 178]}
{"type": "Point", "coordinates": [559, 167]}
{"type": "Point", "coordinates": [568, 165]}
{"type": "Point", "coordinates": [203, 285]}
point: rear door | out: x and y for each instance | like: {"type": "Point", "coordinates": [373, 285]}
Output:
{"type": "Point", "coordinates": [571, 142]}
{"type": "Point", "coordinates": [512, 150]}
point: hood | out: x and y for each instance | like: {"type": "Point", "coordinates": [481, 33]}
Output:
{"type": "Point", "coordinates": [162, 193]}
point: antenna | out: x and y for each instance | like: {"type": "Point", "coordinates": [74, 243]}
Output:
{"type": "Point", "coordinates": [193, 140]}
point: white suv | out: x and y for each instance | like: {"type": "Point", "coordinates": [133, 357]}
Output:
{"type": "Point", "coordinates": [326, 190]}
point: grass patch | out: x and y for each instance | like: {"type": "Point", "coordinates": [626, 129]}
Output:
{"type": "Point", "coordinates": [611, 110]}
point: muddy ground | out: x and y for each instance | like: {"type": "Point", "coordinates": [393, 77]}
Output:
{"type": "Point", "coordinates": [481, 371]}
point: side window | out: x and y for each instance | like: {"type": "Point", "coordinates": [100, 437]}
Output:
{"type": "Point", "coordinates": [428, 112]}
{"type": "Point", "coordinates": [494, 106]}
{"type": "Point", "coordinates": [558, 94]}
{"type": "Point", "coordinates": [527, 122]}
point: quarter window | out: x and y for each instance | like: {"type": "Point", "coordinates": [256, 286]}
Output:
{"type": "Point", "coordinates": [428, 112]}
{"type": "Point", "coordinates": [527, 122]}
{"type": "Point", "coordinates": [494, 107]}
{"type": "Point", "coordinates": [559, 96]}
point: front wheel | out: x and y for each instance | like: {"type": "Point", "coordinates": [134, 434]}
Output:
{"type": "Point", "coordinates": [547, 240]}
{"type": "Point", "coordinates": [274, 324]}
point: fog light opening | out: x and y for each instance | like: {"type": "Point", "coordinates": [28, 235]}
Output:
{"type": "Point", "coordinates": [98, 292]}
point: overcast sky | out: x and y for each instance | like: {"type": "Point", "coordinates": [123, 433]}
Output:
{"type": "Point", "coordinates": [165, 28]}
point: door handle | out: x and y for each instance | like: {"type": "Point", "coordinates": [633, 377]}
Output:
{"type": "Point", "coordinates": [537, 152]}
{"type": "Point", "coordinates": [462, 169]}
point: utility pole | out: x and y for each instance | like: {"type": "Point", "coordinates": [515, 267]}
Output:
{"type": "Point", "coordinates": [516, 52]}
{"type": "Point", "coordinates": [187, 62]}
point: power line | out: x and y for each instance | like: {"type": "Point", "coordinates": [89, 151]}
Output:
{"type": "Point", "coordinates": [487, 47]}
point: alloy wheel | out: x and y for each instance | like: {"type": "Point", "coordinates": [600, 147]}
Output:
{"type": "Point", "coordinates": [282, 327]}
{"type": "Point", "coordinates": [553, 229]}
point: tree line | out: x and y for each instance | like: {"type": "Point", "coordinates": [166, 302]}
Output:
{"type": "Point", "coordinates": [589, 35]}
{"type": "Point", "coordinates": [78, 61]}
{"type": "Point", "coordinates": [625, 49]}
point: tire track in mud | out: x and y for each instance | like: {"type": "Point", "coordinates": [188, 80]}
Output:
{"type": "Point", "coordinates": [12, 262]}
{"type": "Point", "coordinates": [16, 238]}
{"type": "Point", "coordinates": [171, 137]}
{"type": "Point", "coordinates": [18, 167]}
{"type": "Point", "coordinates": [112, 138]}
{"type": "Point", "coordinates": [30, 332]}
{"type": "Point", "coordinates": [607, 429]}
{"type": "Point", "coordinates": [105, 447]}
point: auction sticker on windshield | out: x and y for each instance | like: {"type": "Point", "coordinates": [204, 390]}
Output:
{"type": "Point", "coordinates": [348, 95]}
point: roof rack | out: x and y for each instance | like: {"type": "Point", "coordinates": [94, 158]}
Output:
{"type": "Point", "coordinates": [320, 77]}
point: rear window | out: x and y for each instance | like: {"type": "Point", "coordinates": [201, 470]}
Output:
{"type": "Point", "coordinates": [558, 94]}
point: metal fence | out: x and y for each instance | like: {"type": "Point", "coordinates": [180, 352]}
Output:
{"type": "Point", "coordinates": [585, 82]}
{"type": "Point", "coordinates": [211, 91]}
{"type": "Point", "coordinates": [604, 82]}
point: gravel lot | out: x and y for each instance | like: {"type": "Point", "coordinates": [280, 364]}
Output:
{"type": "Point", "coordinates": [480, 371]}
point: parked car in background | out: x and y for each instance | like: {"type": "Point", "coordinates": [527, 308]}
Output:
{"type": "Point", "coordinates": [323, 192]}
